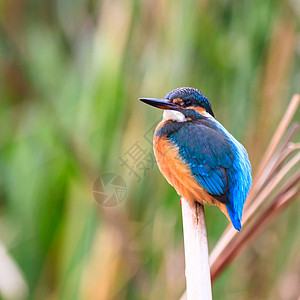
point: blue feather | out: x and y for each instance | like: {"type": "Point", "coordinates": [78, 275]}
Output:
{"type": "Point", "coordinates": [236, 222]}
{"type": "Point", "coordinates": [218, 161]}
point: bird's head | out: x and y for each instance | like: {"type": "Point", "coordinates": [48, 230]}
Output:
{"type": "Point", "coordinates": [182, 104]}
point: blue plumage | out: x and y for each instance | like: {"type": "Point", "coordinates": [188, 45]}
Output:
{"type": "Point", "coordinates": [217, 161]}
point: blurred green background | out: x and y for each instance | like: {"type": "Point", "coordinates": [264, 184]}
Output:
{"type": "Point", "coordinates": [70, 76]}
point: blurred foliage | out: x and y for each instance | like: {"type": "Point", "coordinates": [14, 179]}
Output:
{"type": "Point", "coordinates": [70, 76]}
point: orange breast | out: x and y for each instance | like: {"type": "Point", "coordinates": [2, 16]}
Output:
{"type": "Point", "coordinates": [179, 175]}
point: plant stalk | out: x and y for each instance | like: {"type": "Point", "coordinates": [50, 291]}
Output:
{"type": "Point", "coordinates": [197, 270]}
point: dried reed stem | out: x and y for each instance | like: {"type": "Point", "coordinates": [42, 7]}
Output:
{"type": "Point", "coordinates": [281, 129]}
{"type": "Point", "coordinates": [281, 201]}
{"type": "Point", "coordinates": [197, 271]}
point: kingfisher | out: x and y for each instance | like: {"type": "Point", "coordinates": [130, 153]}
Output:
{"type": "Point", "coordinates": [198, 156]}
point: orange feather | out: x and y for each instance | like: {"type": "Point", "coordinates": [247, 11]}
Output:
{"type": "Point", "coordinates": [179, 175]}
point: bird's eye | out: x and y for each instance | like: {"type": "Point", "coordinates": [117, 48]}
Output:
{"type": "Point", "coordinates": [188, 103]}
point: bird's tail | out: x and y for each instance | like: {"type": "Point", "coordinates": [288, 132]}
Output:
{"type": "Point", "coordinates": [235, 220]}
{"type": "Point", "coordinates": [230, 214]}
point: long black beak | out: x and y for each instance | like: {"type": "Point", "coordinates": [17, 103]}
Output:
{"type": "Point", "coordinates": [160, 103]}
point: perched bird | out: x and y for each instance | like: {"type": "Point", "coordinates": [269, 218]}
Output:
{"type": "Point", "coordinates": [198, 156]}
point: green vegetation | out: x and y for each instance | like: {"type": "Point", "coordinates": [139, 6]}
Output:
{"type": "Point", "coordinates": [70, 76]}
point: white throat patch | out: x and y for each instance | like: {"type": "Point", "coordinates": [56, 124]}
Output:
{"type": "Point", "coordinates": [173, 115]}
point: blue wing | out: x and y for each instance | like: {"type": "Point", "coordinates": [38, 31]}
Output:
{"type": "Point", "coordinates": [216, 160]}
{"type": "Point", "coordinates": [209, 154]}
